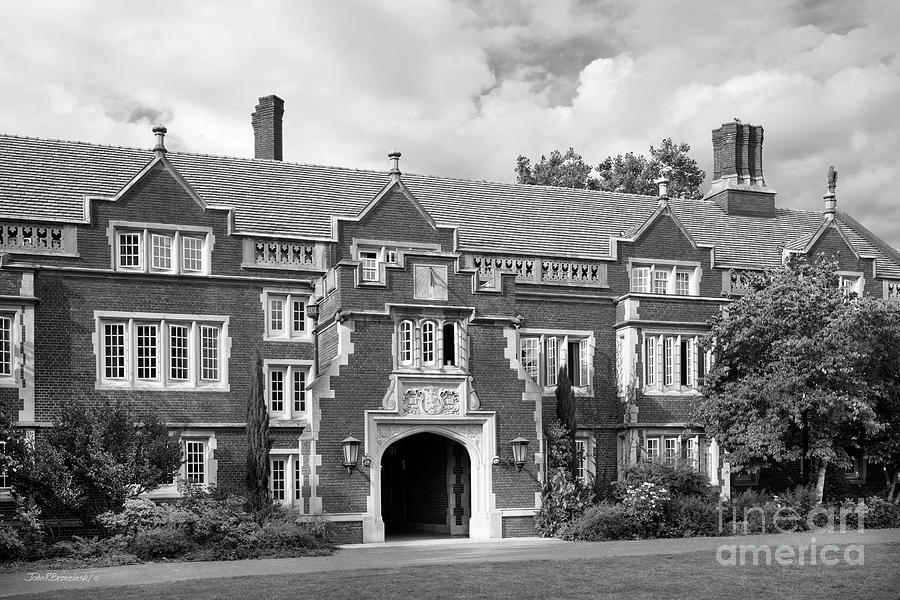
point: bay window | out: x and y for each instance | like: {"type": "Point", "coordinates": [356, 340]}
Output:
{"type": "Point", "coordinates": [674, 362]}
{"type": "Point", "coordinates": [542, 355]}
{"type": "Point", "coordinates": [153, 351]}
{"type": "Point", "coordinates": [430, 343]}
{"type": "Point", "coordinates": [161, 248]}
{"type": "Point", "coordinates": [665, 278]}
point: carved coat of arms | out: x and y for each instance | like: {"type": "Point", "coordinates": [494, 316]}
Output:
{"type": "Point", "coordinates": [430, 401]}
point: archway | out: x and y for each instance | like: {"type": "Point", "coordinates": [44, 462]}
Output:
{"type": "Point", "coordinates": [426, 486]}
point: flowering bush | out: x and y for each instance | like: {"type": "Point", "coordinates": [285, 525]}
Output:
{"type": "Point", "coordinates": [645, 502]}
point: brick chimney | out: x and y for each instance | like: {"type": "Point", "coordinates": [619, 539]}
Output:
{"type": "Point", "coordinates": [738, 186]}
{"type": "Point", "coordinates": [266, 122]}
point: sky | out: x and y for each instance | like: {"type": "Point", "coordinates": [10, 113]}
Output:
{"type": "Point", "coordinates": [462, 87]}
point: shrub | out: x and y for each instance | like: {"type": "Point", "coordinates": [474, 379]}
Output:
{"type": "Point", "coordinates": [690, 516]}
{"type": "Point", "coordinates": [162, 542]}
{"type": "Point", "coordinates": [140, 513]}
{"type": "Point", "coordinates": [11, 545]}
{"type": "Point", "coordinates": [679, 478]}
{"type": "Point", "coordinates": [604, 521]}
{"type": "Point", "coordinates": [563, 501]}
{"type": "Point", "coordinates": [880, 514]}
{"type": "Point", "coordinates": [80, 547]}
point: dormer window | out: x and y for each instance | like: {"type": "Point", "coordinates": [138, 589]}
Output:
{"type": "Point", "coordinates": [665, 278]}
{"type": "Point", "coordinates": [157, 248]}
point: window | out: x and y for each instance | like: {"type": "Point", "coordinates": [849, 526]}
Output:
{"type": "Point", "coordinates": [652, 448]}
{"type": "Point", "coordinates": [665, 279]}
{"type": "Point", "coordinates": [285, 477]}
{"type": "Point", "coordinates": [581, 457]}
{"type": "Point", "coordinates": [430, 282]}
{"type": "Point", "coordinates": [671, 362]}
{"type": "Point", "coordinates": [370, 270]}
{"type": "Point", "coordinates": [278, 479]}
{"type": "Point", "coordinates": [162, 252]}
{"type": "Point", "coordinates": [285, 314]}
{"type": "Point", "coordinates": [149, 351]}
{"type": "Point", "coordinates": [542, 356]}
{"type": "Point", "coordinates": [286, 390]}
{"type": "Point", "coordinates": [170, 249]}
{"type": "Point", "coordinates": [851, 283]}
{"type": "Point", "coordinates": [640, 280]}
{"type": "Point", "coordinates": [671, 449]}
{"type": "Point", "coordinates": [6, 345]}
{"type": "Point", "coordinates": [195, 461]}
{"type": "Point", "coordinates": [449, 344]}
{"type": "Point", "coordinates": [406, 342]}
{"type": "Point", "coordinates": [857, 468]}
{"type": "Point", "coordinates": [660, 282]}
{"type": "Point", "coordinates": [428, 343]}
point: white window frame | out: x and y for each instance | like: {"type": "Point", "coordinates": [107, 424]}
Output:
{"type": "Point", "coordinates": [289, 410]}
{"type": "Point", "coordinates": [644, 275]}
{"type": "Point", "coordinates": [293, 485]}
{"type": "Point", "coordinates": [288, 298]}
{"type": "Point", "coordinates": [196, 380]}
{"type": "Point", "coordinates": [586, 468]}
{"type": "Point", "coordinates": [4, 474]}
{"type": "Point", "coordinates": [406, 344]}
{"type": "Point", "coordinates": [204, 450]}
{"type": "Point", "coordinates": [370, 266]}
{"type": "Point", "coordinates": [653, 453]}
{"type": "Point", "coordinates": [553, 349]}
{"type": "Point", "coordinates": [148, 235]}
{"type": "Point", "coordinates": [670, 450]}
{"type": "Point", "coordinates": [891, 289]}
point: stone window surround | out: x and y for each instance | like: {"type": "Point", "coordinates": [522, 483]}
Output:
{"type": "Point", "coordinates": [15, 316]}
{"type": "Point", "coordinates": [146, 229]}
{"type": "Point", "coordinates": [163, 354]}
{"type": "Point", "coordinates": [676, 388]}
{"type": "Point", "coordinates": [293, 480]}
{"type": "Point", "coordinates": [289, 366]}
{"type": "Point", "coordinates": [670, 266]}
{"type": "Point", "coordinates": [417, 364]}
{"type": "Point", "coordinates": [562, 356]}
{"type": "Point", "coordinates": [290, 294]}
{"type": "Point", "coordinates": [211, 465]}
{"type": "Point", "coordinates": [388, 252]}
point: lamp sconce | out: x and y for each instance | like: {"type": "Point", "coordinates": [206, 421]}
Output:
{"type": "Point", "coordinates": [519, 450]}
{"type": "Point", "coordinates": [350, 452]}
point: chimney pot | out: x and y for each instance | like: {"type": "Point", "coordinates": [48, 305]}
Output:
{"type": "Point", "coordinates": [267, 127]}
{"type": "Point", "coordinates": [663, 183]}
{"type": "Point", "coordinates": [160, 133]}
{"type": "Point", "coordinates": [738, 185]}
{"type": "Point", "coordinates": [395, 165]}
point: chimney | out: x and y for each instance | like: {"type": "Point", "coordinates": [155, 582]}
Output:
{"type": "Point", "coordinates": [266, 122]}
{"type": "Point", "coordinates": [830, 197]}
{"type": "Point", "coordinates": [663, 183]}
{"type": "Point", "coordinates": [738, 186]}
{"type": "Point", "coordinates": [395, 166]}
{"type": "Point", "coordinates": [160, 148]}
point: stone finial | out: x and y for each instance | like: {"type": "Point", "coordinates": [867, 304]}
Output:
{"type": "Point", "coordinates": [160, 132]}
{"type": "Point", "coordinates": [395, 165]}
{"type": "Point", "coordinates": [830, 197]}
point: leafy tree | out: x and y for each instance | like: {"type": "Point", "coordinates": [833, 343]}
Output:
{"type": "Point", "coordinates": [91, 460]}
{"type": "Point", "coordinates": [792, 377]}
{"type": "Point", "coordinates": [629, 173]}
{"type": "Point", "coordinates": [258, 441]}
{"type": "Point", "coordinates": [560, 170]}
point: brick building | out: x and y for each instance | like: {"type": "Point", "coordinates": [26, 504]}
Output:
{"type": "Point", "coordinates": [426, 316]}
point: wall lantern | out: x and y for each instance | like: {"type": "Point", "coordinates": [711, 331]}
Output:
{"type": "Point", "coordinates": [350, 451]}
{"type": "Point", "coordinates": [519, 447]}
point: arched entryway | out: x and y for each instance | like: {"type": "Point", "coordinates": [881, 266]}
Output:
{"type": "Point", "coordinates": [426, 486]}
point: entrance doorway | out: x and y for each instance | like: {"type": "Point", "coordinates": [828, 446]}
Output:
{"type": "Point", "coordinates": [426, 486]}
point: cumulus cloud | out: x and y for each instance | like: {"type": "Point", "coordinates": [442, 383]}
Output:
{"type": "Point", "coordinates": [463, 86]}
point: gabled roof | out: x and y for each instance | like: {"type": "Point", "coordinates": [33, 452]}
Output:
{"type": "Point", "coordinates": [50, 180]}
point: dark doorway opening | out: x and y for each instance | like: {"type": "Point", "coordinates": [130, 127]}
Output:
{"type": "Point", "coordinates": [425, 487]}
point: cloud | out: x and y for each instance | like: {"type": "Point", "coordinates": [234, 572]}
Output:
{"type": "Point", "coordinates": [463, 86]}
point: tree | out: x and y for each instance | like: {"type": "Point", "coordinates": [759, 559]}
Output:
{"type": "Point", "coordinates": [790, 379]}
{"type": "Point", "coordinates": [629, 173]}
{"type": "Point", "coordinates": [565, 414]}
{"type": "Point", "coordinates": [258, 441]}
{"type": "Point", "coordinates": [91, 460]}
{"type": "Point", "coordinates": [560, 170]}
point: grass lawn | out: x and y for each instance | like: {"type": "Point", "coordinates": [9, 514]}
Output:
{"type": "Point", "coordinates": [696, 575]}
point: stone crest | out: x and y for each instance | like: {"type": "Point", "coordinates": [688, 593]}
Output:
{"type": "Point", "coordinates": [430, 400]}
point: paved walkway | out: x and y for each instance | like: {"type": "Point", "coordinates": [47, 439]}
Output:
{"type": "Point", "coordinates": [425, 552]}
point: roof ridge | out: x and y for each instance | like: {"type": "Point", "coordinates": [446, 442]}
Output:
{"type": "Point", "coordinates": [83, 143]}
